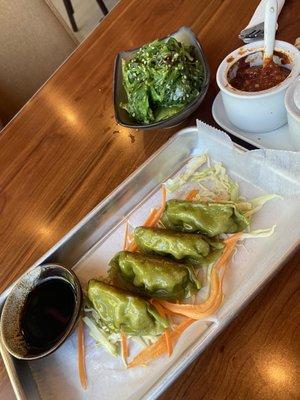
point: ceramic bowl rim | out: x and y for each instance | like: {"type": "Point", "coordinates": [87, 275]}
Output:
{"type": "Point", "coordinates": [6, 308]}
{"type": "Point", "coordinates": [246, 50]}
{"type": "Point", "coordinates": [288, 99]}
{"type": "Point", "coordinates": [174, 119]}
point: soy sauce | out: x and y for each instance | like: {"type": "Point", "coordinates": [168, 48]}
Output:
{"type": "Point", "coordinates": [47, 312]}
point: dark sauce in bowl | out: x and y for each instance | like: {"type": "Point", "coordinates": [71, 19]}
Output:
{"type": "Point", "coordinates": [47, 312]}
{"type": "Point", "coordinates": [256, 78]}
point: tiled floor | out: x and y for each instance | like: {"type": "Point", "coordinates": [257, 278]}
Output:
{"type": "Point", "coordinates": [87, 14]}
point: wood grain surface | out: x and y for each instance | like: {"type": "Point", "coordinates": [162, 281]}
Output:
{"type": "Point", "coordinates": [63, 153]}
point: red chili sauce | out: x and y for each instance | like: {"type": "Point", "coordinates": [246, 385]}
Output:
{"type": "Point", "coordinates": [257, 78]}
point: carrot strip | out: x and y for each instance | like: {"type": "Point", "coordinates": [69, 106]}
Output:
{"type": "Point", "coordinates": [159, 347]}
{"type": "Point", "coordinates": [162, 312]}
{"type": "Point", "coordinates": [233, 238]}
{"type": "Point", "coordinates": [132, 247]}
{"type": "Point", "coordinates": [160, 309]}
{"type": "Point", "coordinates": [160, 211]}
{"type": "Point", "coordinates": [125, 243]}
{"type": "Point", "coordinates": [130, 241]}
{"type": "Point", "coordinates": [229, 248]}
{"type": "Point", "coordinates": [168, 342]}
{"type": "Point", "coordinates": [151, 217]}
{"type": "Point", "coordinates": [81, 355]}
{"type": "Point", "coordinates": [198, 311]}
{"type": "Point", "coordinates": [124, 347]}
{"type": "Point", "coordinates": [192, 194]}
{"type": "Point", "coordinates": [164, 197]}
{"type": "Point", "coordinates": [148, 222]}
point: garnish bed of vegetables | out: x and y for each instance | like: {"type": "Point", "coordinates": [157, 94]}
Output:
{"type": "Point", "coordinates": [200, 231]}
{"type": "Point", "coordinates": [160, 80]}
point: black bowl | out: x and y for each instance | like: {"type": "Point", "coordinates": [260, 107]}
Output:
{"type": "Point", "coordinates": [10, 323]}
{"type": "Point", "coordinates": [184, 35]}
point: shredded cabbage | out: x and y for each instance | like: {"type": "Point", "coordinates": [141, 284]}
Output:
{"type": "Point", "coordinates": [258, 202]}
{"type": "Point", "coordinates": [259, 233]}
{"type": "Point", "coordinates": [215, 185]}
{"type": "Point", "coordinates": [195, 163]}
{"type": "Point", "coordinates": [244, 206]}
{"type": "Point", "coordinates": [221, 184]}
{"type": "Point", "coordinates": [102, 338]}
{"type": "Point", "coordinates": [106, 338]}
{"type": "Point", "coordinates": [213, 181]}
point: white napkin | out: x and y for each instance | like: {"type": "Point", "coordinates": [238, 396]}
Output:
{"type": "Point", "coordinates": [259, 14]}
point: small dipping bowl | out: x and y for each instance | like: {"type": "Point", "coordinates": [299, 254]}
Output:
{"type": "Point", "coordinates": [11, 328]}
{"type": "Point", "coordinates": [292, 104]}
{"type": "Point", "coordinates": [184, 35]}
{"type": "Point", "coordinates": [261, 111]}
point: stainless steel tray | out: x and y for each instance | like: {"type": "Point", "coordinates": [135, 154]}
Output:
{"type": "Point", "coordinates": [82, 242]}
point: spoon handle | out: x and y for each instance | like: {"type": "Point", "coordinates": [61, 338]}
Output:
{"type": "Point", "coordinates": [270, 29]}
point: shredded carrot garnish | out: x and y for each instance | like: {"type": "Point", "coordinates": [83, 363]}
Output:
{"type": "Point", "coordinates": [124, 347]}
{"type": "Point", "coordinates": [168, 342]}
{"type": "Point", "coordinates": [150, 217]}
{"type": "Point", "coordinates": [81, 354]}
{"type": "Point", "coordinates": [160, 211]}
{"type": "Point", "coordinates": [151, 221]}
{"type": "Point", "coordinates": [125, 243]}
{"type": "Point", "coordinates": [182, 327]}
{"type": "Point", "coordinates": [162, 312]}
{"type": "Point", "coordinates": [159, 347]}
{"type": "Point", "coordinates": [233, 238]}
{"type": "Point", "coordinates": [148, 222]}
{"type": "Point", "coordinates": [163, 198]}
{"type": "Point", "coordinates": [132, 247]}
{"type": "Point", "coordinates": [208, 307]}
{"type": "Point", "coordinates": [229, 248]}
{"type": "Point", "coordinates": [160, 309]}
{"type": "Point", "coordinates": [192, 194]}
{"type": "Point", "coordinates": [130, 243]}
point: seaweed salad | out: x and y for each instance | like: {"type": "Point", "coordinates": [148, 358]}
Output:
{"type": "Point", "coordinates": [160, 80]}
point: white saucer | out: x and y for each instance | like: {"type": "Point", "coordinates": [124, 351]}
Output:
{"type": "Point", "coordinates": [277, 139]}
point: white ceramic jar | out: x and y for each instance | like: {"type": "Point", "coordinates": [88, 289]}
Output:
{"type": "Point", "coordinates": [262, 111]}
{"type": "Point", "coordinates": [292, 104]}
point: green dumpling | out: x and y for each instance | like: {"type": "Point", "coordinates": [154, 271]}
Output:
{"type": "Point", "coordinates": [187, 247]}
{"type": "Point", "coordinates": [119, 310]}
{"type": "Point", "coordinates": [210, 219]}
{"type": "Point", "coordinates": [153, 276]}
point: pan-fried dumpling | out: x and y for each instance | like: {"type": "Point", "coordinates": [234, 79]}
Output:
{"type": "Point", "coordinates": [153, 276]}
{"type": "Point", "coordinates": [187, 247]}
{"type": "Point", "coordinates": [119, 310]}
{"type": "Point", "coordinates": [210, 219]}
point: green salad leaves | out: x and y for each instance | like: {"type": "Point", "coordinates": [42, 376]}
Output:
{"type": "Point", "coordinates": [160, 80]}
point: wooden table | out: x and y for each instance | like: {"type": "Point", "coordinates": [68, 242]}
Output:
{"type": "Point", "coordinates": [64, 152]}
